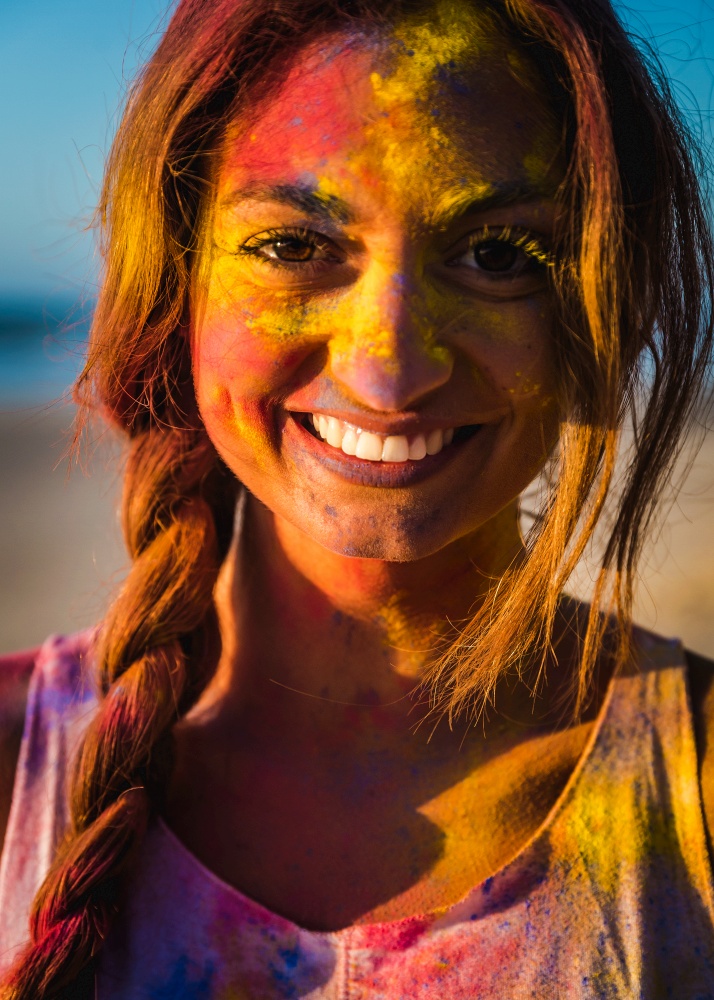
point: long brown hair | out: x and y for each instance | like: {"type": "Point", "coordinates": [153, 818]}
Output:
{"type": "Point", "coordinates": [634, 288]}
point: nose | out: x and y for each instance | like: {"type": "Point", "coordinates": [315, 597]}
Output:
{"type": "Point", "coordinates": [388, 356]}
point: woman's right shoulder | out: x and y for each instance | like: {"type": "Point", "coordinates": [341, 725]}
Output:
{"type": "Point", "coordinates": [15, 673]}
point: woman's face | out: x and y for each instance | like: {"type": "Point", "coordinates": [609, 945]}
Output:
{"type": "Point", "coordinates": [372, 352]}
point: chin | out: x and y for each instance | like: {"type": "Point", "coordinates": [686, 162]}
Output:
{"type": "Point", "coordinates": [363, 537]}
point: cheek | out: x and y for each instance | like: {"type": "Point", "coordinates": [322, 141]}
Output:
{"type": "Point", "coordinates": [234, 372]}
{"type": "Point", "coordinates": [511, 345]}
{"type": "Point", "coordinates": [250, 342]}
{"type": "Point", "coordinates": [247, 355]}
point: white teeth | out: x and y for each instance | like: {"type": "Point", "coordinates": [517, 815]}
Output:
{"type": "Point", "coordinates": [369, 446]}
{"type": "Point", "coordinates": [396, 449]}
{"type": "Point", "coordinates": [334, 432]}
{"type": "Point", "coordinates": [417, 448]}
{"type": "Point", "coordinates": [349, 441]}
{"type": "Point", "coordinates": [435, 442]}
{"type": "Point", "coordinates": [377, 448]}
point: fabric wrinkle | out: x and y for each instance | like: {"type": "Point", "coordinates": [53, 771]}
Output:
{"type": "Point", "coordinates": [611, 897]}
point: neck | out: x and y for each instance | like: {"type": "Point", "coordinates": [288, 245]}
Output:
{"type": "Point", "coordinates": [365, 629]}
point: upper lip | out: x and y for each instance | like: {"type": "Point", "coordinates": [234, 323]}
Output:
{"type": "Point", "coordinates": [405, 424]}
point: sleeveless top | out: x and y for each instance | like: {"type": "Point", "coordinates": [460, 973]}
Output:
{"type": "Point", "coordinates": [611, 898]}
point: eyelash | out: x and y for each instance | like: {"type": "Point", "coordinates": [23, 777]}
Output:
{"type": "Point", "coordinates": [253, 246]}
{"type": "Point", "coordinates": [525, 240]}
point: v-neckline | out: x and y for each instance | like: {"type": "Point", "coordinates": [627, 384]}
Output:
{"type": "Point", "coordinates": [523, 858]}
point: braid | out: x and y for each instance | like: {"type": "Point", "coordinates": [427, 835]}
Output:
{"type": "Point", "coordinates": [151, 663]}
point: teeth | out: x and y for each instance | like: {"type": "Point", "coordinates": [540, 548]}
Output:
{"type": "Point", "coordinates": [349, 441]}
{"type": "Point", "coordinates": [435, 442]}
{"type": "Point", "coordinates": [396, 449]}
{"type": "Point", "coordinates": [376, 447]}
{"type": "Point", "coordinates": [369, 446]}
{"type": "Point", "coordinates": [417, 448]}
{"type": "Point", "coordinates": [334, 432]}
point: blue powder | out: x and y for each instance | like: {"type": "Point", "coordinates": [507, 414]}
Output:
{"type": "Point", "coordinates": [182, 985]}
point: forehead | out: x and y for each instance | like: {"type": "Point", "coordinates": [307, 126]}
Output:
{"type": "Point", "coordinates": [427, 110]}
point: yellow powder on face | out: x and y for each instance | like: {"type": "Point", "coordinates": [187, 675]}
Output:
{"type": "Point", "coordinates": [403, 145]}
{"type": "Point", "coordinates": [453, 202]}
{"type": "Point", "coordinates": [219, 398]}
{"type": "Point", "coordinates": [525, 387]}
{"type": "Point", "coordinates": [454, 31]}
{"type": "Point", "coordinates": [327, 189]}
{"type": "Point", "coordinates": [535, 165]}
{"type": "Point", "coordinates": [360, 323]}
{"type": "Point", "coordinates": [423, 55]}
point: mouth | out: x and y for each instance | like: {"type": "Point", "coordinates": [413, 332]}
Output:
{"type": "Point", "coordinates": [368, 458]}
{"type": "Point", "coordinates": [369, 446]}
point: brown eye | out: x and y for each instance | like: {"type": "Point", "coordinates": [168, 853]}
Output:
{"type": "Point", "coordinates": [292, 250]}
{"type": "Point", "coordinates": [495, 255]}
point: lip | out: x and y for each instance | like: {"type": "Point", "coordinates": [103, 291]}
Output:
{"type": "Point", "coordinates": [366, 473]}
{"type": "Point", "coordinates": [407, 424]}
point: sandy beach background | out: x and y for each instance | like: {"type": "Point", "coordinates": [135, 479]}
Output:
{"type": "Point", "coordinates": [61, 553]}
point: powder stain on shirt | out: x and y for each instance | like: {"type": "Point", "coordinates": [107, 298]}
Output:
{"type": "Point", "coordinates": [612, 898]}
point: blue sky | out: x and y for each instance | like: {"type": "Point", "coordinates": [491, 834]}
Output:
{"type": "Point", "coordinates": [64, 65]}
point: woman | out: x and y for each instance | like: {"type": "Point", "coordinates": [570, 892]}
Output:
{"type": "Point", "coordinates": [370, 268]}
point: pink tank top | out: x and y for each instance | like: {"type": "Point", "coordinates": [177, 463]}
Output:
{"type": "Point", "coordinates": [612, 897]}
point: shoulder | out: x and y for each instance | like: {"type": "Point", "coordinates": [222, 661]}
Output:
{"type": "Point", "coordinates": [700, 671]}
{"type": "Point", "coordinates": [15, 672]}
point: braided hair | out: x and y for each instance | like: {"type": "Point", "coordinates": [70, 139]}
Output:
{"type": "Point", "coordinates": [636, 284]}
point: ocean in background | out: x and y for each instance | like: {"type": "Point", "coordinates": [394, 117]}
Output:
{"type": "Point", "coordinates": [42, 348]}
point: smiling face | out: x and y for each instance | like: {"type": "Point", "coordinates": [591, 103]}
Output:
{"type": "Point", "coordinates": [373, 357]}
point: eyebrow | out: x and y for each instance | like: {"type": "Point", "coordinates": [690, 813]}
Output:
{"type": "Point", "coordinates": [467, 201]}
{"type": "Point", "coordinates": [483, 198]}
{"type": "Point", "coordinates": [302, 197]}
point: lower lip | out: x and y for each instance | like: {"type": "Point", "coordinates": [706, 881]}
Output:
{"type": "Point", "coordinates": [366, 473]}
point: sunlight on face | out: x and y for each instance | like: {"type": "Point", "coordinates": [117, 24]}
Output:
{"type": "Point", "coordinates": [379, 260]}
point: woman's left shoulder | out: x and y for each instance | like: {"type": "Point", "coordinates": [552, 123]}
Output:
{"type": "Point", "coordinates": [700, 671]}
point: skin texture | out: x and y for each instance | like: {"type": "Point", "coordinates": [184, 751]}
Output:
{"type": "Point", "coordinates": [305, 775]}
{"type": "Point", "coordinates": [401, 331]}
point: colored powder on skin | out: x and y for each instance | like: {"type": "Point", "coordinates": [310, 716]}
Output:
{"type": "Point", "coordinates": [427, 49]}
{"type": "Point", "coordinates": [397, 625]}
{"type": "Point", "coordinates": [185, 983]}
{"type": "Point", "coordinates": [423, 57]}
{"type": "Point", "coordinates": [424, 52]}
{"type": "Point", "coordinates": [538, 163]}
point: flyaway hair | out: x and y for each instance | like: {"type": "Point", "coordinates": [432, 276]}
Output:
{"type": "Point", "coordinates": [633, 287]}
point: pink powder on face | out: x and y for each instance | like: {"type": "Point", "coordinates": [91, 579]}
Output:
{"type": "Point", "coordinates": [314, 105]}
